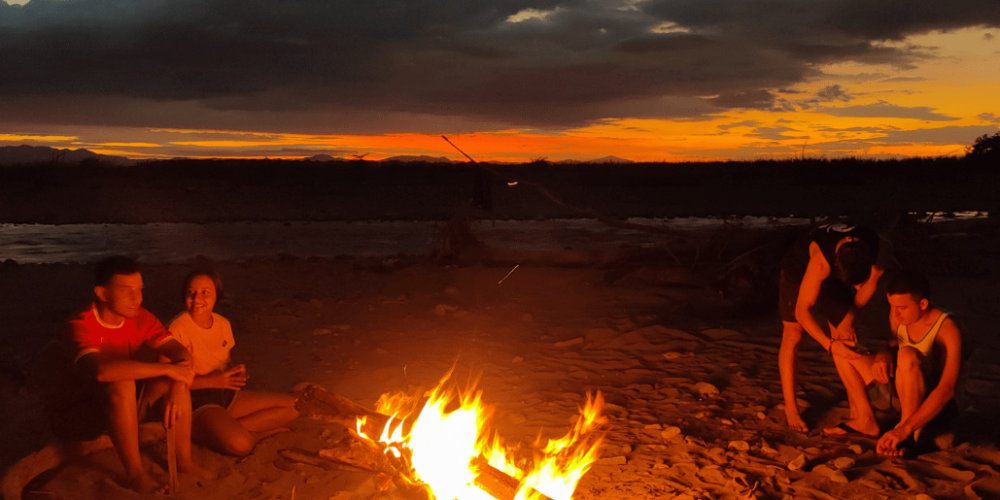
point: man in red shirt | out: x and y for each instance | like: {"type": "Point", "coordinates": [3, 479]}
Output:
{"type": "Point", "coordinates": [120, 344]}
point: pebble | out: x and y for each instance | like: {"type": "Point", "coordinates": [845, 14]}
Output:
{"type": "Point", "coordinates": [761, 415]}
{"type": "Point", "coordinates": [672, 355]}
{"type": "Point", "coordinates": [842, 463]}
{"type": "Point", "coordinates": [856, 448]}
{"type": "Point", "coordinates": [611, 461]}
{"type": "Point", "coordinates": [705, 389]}
{"type": "Point", "coordinates": [834, 475]}
{"type": "Point", "coordinates": [726, 421]}
{"type": "Point", "coordinates": [797, 463]}
{"type": "Point", "coordinates": [516, 418]}
{"type": "Point", "coordinates": [654, 426]}
{"type": "Point", "coordinates": [739, 445]}
{"type": "Point", "coordinates": [670, 432]}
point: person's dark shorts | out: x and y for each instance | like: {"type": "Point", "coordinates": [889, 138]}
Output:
{"type": "Point", "coordinates": [835, 299]}
{"type": "Point", "coordinates": [201, 398]}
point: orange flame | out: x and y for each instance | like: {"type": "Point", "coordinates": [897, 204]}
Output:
{"type": "Point", "coordinates": [446, 438]}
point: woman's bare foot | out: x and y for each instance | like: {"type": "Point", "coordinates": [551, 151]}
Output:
{"type": "Point", "coordinates": [196, 472]}
{"type": "Point", "coordinates": [796, 423]}
{"type": "Point", "coordinates": [145, 484]}
{"type": "Point", "coordinates": [270, 432]}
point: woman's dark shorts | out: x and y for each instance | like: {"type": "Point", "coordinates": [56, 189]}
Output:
{"type": "Point", "coordinates": [212, 397]}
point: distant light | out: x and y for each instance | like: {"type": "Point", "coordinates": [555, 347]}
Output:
{"type": "Point", "coordinates": [511, 183]}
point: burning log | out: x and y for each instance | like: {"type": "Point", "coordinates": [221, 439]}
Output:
{"type": "Point", "coordinates": [318, 403]}
{"type": "Point", "coordinates": [500, 485]}
{"type": "Point", "coordinates": [437, 441]}
{"type": "Point", "coordinates": [354, 454]}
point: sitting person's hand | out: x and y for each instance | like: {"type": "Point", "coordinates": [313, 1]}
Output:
{"type": "Point", "coordinates": [233, 378]}
{"type": "Point", "coordinates": [183, 373]}
{"type": "Point", "coordinates": [171, 408]}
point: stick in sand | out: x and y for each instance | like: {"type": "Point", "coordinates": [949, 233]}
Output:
{"type": "Point", "coordinates": [171, 461]}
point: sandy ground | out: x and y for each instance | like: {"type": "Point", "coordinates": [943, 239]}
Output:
{"type": "Point", "coordinates": [649, 336]}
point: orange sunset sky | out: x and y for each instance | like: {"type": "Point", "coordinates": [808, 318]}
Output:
{"type": "Point", "coordinates": [644, 80]}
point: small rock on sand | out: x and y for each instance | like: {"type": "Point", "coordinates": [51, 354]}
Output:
{"type": "Point", "coordinates": [672, 355]}
{"type": "Point", "coordinates": [719, 333]}
{"type": "Point", "coordinates": [842, 463]}
{"type": "Point", "coordinates": [611, 461]}
{"type": "Point", "coordinates": [739, 445]}
{"type": "Point", "coordinates": [671, 432]}
{"type": "Point", "coordinates": [705, 389]}
{"type": "Point", "coordinates": [834, 475]}
{"type": "Point", "coordinates": [797, 463]}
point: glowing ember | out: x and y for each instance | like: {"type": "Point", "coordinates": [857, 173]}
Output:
{"type": "Point", "coordinates": [448, 446]}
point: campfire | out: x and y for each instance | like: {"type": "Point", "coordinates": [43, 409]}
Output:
{"type": "Point", "coordinates": [441, 442]}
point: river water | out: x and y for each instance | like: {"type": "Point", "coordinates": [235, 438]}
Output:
{"type": "Point", "coordinates": [178, 242]}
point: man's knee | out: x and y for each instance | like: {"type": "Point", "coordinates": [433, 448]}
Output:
{"type": "Point", "coordinates": [908, 363]}
{"type": "Point", "coordinates": [121, 393]}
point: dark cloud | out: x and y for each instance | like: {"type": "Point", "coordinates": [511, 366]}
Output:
{"type": "Point", "coordinates": [883, 109]}
{"type": "Point", "coordinates": [318, 65]}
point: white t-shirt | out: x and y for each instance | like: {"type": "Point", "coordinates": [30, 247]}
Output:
{"type": "Point", "coordinates": [209, 347]}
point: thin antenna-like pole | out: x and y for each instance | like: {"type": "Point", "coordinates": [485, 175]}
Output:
{"type": "Point", "coordinates": [459, 150]}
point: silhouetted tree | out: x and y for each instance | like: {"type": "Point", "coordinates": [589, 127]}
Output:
{"type": "Point", "coordinates": [986, 146]}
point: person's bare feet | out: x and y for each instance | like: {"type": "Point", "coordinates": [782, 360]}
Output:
{"type": "Point", "coordinates": [197, 472]}
{"type": "Point", "coordinates": [796, 423]}
{"type": "Point", "coordinates": [145, 484]}
{"type": "Point", "coordinates": [869, 429]}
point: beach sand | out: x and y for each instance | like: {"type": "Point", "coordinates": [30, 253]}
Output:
{"type": "Point", "coordinates": [654, 337]}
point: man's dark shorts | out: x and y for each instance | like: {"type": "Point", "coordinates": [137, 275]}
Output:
{"type": "Point", "coordinates": [835, 299]}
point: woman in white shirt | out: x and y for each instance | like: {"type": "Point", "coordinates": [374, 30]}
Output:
{"type": "Point", "coordinates": [227, 418]}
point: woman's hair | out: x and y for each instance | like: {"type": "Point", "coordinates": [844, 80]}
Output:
{"type": "Point", "coordinates": [203, 271]}
{"type": "Point", "coordinates": [909, 282]}
{"type": "Point", "coordinates": [853, 262]}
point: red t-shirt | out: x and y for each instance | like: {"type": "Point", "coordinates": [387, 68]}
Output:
{"type": "Point", "coordinates": [90, 334]}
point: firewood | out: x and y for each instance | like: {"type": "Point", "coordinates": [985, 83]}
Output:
{"type": "Point", "coordinates": [318, 403]}
{"type": "Point", "coordinates": [498, 484]}
{"type": "Point", "coordinates": [306, 457]}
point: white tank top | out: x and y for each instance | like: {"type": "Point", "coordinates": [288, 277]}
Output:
{"type": "Point", "coordinates": [925, 344]}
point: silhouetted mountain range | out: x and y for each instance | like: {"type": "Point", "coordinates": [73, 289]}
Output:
{"type": "Point", "coordinates": [25, 155]}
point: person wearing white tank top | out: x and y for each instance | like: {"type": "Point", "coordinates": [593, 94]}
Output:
{"type": "Point", "coordinates": [928, 363]}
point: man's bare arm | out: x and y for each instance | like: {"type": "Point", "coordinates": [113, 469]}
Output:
{"type": "Point", "coordinates": [175, 352]}
{"type": "Point", "coordinates": [817, 271]}
{"type": "Point", "coordinates": [119, 370]}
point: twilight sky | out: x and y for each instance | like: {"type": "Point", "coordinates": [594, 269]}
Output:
{"type": "Point", "coordinates": [646, 80]}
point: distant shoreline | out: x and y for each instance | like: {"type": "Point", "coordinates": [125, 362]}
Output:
{"type": "Point", "coordinates": [278, 190]}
